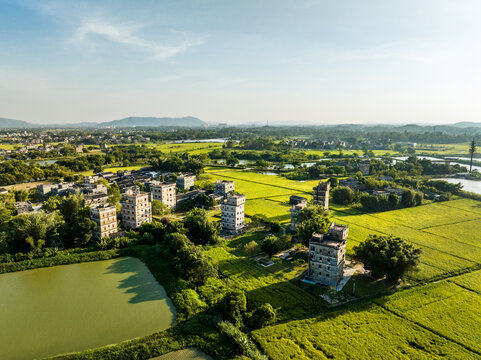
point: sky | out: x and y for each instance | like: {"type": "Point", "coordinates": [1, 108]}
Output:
{"type": "Point", "coordinates": [286, 62]}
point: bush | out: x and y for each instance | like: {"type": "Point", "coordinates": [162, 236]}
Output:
{"type": "Point", "coordinates": [251, 248]}
{"type": "Point", "coordinates": [262, 316]}
{"type": "Point", "coordinates": [200, 230]}
{"type": "Point", "coordinates": [270, 245]}
{"type": "Point", "coordinates": [343, 195]}
{"type": "Point", "coordinates": [234, 306]}
{"type": "Point", "coordinates": [241, 340]}
{"type": "Point", "coordinates": [188, 302]}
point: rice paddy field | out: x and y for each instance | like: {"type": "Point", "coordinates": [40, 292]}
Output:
{"type": "Point", "coordinates": [264, 286]}
{"type": "Point", "coordinates": [437, 317]}
{"type": "Point", "coordinates": [191, 148]}
{"type": "Point", "coordinates": [9, 146]}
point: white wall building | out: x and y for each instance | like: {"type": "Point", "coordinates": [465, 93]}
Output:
{"type": "Point", "coordinates": [165, 193]}
{"type": "Point", "coordinates": [136, 209]}
{"type": "Point", "coordinates": [232, 213]}
{"type": "Point", "coordinates": [223, 187]}
{"type": "Point", "coordinates": [327, 254]}
{"type": "Point", "coordinates": [106, 218]}
{"type": "Point", "coordinates": [185, 181]}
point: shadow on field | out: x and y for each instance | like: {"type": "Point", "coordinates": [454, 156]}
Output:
{"type": "Point", "coordinates": [140, 283]}
{"type": "Point", "coordinates": [256, 235]}
{"type": "Point", "coordinates": [280, 218]}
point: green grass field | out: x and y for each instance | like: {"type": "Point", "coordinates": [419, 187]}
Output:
{"type": "Point", "coordinates": [9, 146]}
{"type": "Point", "coordinates": [437, 318]}
{"type": "Point", "coordinates": [434, 228]}
{"type": "Point", "coordinates": [191, 148]}
{"type": "Point", "coordinates": [364, 331]}
{"type": "Point", "coordinates": [444, 231]}
{"type": "Point", "coordinates": [263, 286]}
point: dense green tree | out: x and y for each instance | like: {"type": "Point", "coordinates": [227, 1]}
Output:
{"type": "Point", "coordinates": [113, 192]}
{"type": "Point", "coordinates": [393, 201]}
{"type": "Point", "coordinates": [233, 307]}
{"type": "Point", "coordinates": [31, 231]}
{"type": "Point", "coordinates": [21, 195]}
{"type": "Point", "coordinates": [81, 229]}
{"type": "Point", "coordinates": [156, 229]}
{"type": "Point", "coordinates": [262, 316]}
{"type": "Point", "coordinates": [408, 198]}
{"type": "Point", "coordinates": [312, 219]}
{"type": "Point", "coordinates": [200, 230]}
{"type": "Point", "coordinates": [387, 256]}
{"type": "Point", "coordinates": [187, 259]}
{"type": "Point", "coordinates": [232, 161]}
{"type": "Point", "coordinates": [370, 202]}
{"type": "Point", "coordinates": [343, 195]}
{"type": "Point", "coordinates": [159, 208]}
{"type": "Point", "coordinates": [334, 182]}
{"type": "Point", "coordinates": [270, 245]}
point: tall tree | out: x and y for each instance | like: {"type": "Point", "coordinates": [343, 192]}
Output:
{"type": "Point", "coordinates": [312, 219]}
{"type": "Point", "coordinates": [472, 150]}
{"type": "Point", "coordinates": [32, 230]}
{"type": "Point", "coordinates": [387, 256]}
{"type": "Point", "coordinates": [200, 230]}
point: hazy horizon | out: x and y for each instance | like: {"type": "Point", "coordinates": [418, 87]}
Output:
{"type": "Point", "coordinates": [316, 62]}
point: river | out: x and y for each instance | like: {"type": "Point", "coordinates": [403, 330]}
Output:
{"type": "Point", "coordinates": [468, 185]}
{"type": "Point", "coordinates": [50, 311]}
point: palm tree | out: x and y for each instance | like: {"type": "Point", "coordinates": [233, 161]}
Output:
{"type": "Point", "coordinates": [340, 147]}
{"type": "Point", "coordinates": [472, 150]}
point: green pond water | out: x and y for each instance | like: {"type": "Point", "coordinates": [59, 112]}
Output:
{"type": "Point", "coordinates": [50, 311]}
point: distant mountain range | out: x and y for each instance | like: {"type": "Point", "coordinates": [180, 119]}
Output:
{"type": "Point", "coordinates": [133, 121]}
{"type": "Point", "coordinates": [193, 122]}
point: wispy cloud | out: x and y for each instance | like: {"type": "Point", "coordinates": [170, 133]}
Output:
{"type": "Point", "coordinates": [127, 35]}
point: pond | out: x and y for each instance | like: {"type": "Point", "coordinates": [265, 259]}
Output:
{"type": "Point", "coordinates": [50, 311]}
{"type": "Point", "coordinates": [468, 185]}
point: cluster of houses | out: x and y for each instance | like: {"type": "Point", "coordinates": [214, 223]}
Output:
{"type": "Point", "coordinates": [136, 205]}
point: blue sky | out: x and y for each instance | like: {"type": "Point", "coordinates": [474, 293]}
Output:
{"type": "Point", "coordinates": [304, 61]}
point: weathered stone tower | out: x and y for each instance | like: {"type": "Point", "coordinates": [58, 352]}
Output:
{"type": "Point", "coordinates": [321, 194]}
{"type": "Point", "coordinates": [327, 254]}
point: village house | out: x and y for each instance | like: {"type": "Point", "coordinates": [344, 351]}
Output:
{"type": "Point", "coordinates": [165, 193]}
{"type": "Point", "coordinates": [294, 211]}
{"type": "Point", "coordinates": [232, 214]}
{"type": "Point", "coordinates": [136, 209]}
{"type": "Point", "coordinates": [94, 200]}
{"type": "Point", "coordinates": [106, 218]}
{"type": "Point", "coordinates": [23, 207]}
{"type": "Point", "coordinates": [185, 181]}
{"type": "Point", "coordinates": [327, 253]}
{"type": "Point", "coordinates": [189, 195]}
{"type": "Point", "coordinates": [295, 200]}
{"type": "Point", "coordinates": [224, 187]}
{"type": "Point", "coordinates": [321, 194]}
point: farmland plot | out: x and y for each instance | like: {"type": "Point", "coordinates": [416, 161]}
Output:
{"type": "Point", "coordinates": [419, 218]}
{"type": "Point", "coordinates": [262, 286]}
{"type": "Point", "coordinates": [360, 332]}
{"type": "Point", "coordinates": [444, 308]}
